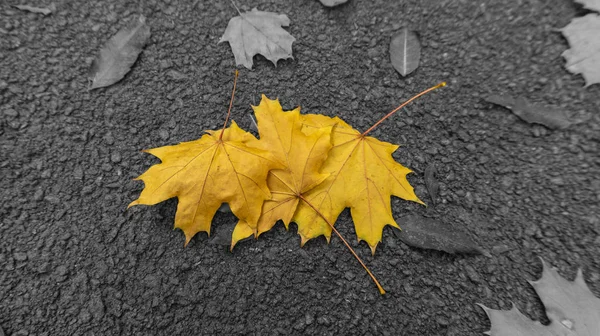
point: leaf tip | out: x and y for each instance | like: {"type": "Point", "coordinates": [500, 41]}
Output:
{"type": "Point", "coordinates": [188, 238]}
{"type": "Point", "coordinates": [303, 240]}
{"type": "Point", "coordinates": [485, 309]}
{"type": "Point", "coordinates": [373, 248]}
{"type": "Point", "coordinates": [418, 200]}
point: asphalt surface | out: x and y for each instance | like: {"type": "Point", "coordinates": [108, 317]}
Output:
{"type": "Point", "coordinates": [75, 261]}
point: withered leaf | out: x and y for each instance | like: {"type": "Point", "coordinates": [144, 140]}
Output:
{"type": "Point", "coordinates": [332, 3]}
{"type": "Point", "coordinates": [258, 32]}
{"type": "Point", "coordinates": [590, 4]}
{"type": "Point", "coordinates": [223, 236]}
{"type": "Point", "coordinates": [584, 55]}
{"type": "Point", "coordinates": [431, 183]}
{"type": "Point", "coordinates": [548, 116]}
{"type": "Point", "coordinates": [572, 309]}
{"type": "Point", "coordinates": [119, 54]}
{"type": "Point", "coordinates": [429, 233]}
{"type": "Point", "coordinates": [38, 10]}
{"type": "Point", "coordinates": [405, 52]}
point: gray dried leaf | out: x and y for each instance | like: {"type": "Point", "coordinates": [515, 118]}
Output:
{"type": "Point", "coordinates": [38, 10]}
{"type": "Point", "coordinates": [254, 125]}
{"type": "Point", "coordinates": [119, 54]}
{"type": "Point", "coordinates": [429, 233]}
{"type": "Point", "coordinates": [224, 208]}
{"type": "Point", "coordinates": [223, 237]}
{"type": "Point", "coordinates": [431, 183]}
{"type": "Point", "coordinates": [257, 32]}
{"type": "Point", "coordinates": [550, 117]}
{"type": "Point", "coordinates": [405, 52]}
{"type": "Point", "coordinates": [572, 309]}
{"type": "Point", "coordinates": [584, 55]}
{"type": "Point", "coordinates": [590, 4]}
{"type": "Point", "coordinates": [332, 3]}
{"type": "Point", "coordinates": [176, 75]}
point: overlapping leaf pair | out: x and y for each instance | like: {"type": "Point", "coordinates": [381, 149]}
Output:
{"type": "Point", "coordinates": [304, 168]}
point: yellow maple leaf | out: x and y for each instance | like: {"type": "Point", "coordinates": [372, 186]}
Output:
{"type": "Point", "coordinates": [302, 156]}
{"type": "Point", "coordinates": [221, 167]}
{"type": "Point", "coordinates": [362, 176]}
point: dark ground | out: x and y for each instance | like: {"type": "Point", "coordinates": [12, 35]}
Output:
{"type": "Point", "coordinates": [74, 261]}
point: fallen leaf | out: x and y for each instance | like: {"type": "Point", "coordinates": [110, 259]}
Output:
{"type": "Point", "coordinates": [39, 10]}
{"type": "Point", "coordinates": [254, 126]}
{"type": "Point", "coordinates": [224, 208]}
{"type": "Point", "coordinates": [315, 166]}
{"type": "Point", "coordinates": [207, 172]}
{"type": "Point", "coordinates": [429, 233]}
{"type": "Point", "coordinates": [363, 176]}
{"type": "Point", "coordinates": [572, 309]}
{"type": "Point", "coordinates": [176, 75]}
{"type": "Point", "coordinates": [223, 236]}
{"type": "Point", "coordinates": [584, 56]}
{"type": "Point", "coordinates": [258, 32]}
{"type": "Point", "coordinates": [431, 183]}
{"type": "Point", "coordinates": [405, 52]}
{"type": "Point", "coordinates": [590, 4]}
{"type": "Point", "coordinates": [119, 54]}
{"type": "Point", "coordinates": [550, 117]}
{"type": "Point", "coordinates": [332, 3]}
{"type": "Point", "coordinates": [302, 156]}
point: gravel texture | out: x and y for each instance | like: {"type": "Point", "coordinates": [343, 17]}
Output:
{"type": "Point", "coordinates": [75, 261]}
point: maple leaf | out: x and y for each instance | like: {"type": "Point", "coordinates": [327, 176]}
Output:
{"type": "Point", "coordinates": [590, 4]}
{"type": "Point", "coordinates": [221, 167]}
{"type": "Point", "coordinates": [119, 54]}
{"type": "Point", "coordinates": [302, 156]}
{"type": "Point", "coordinates": [584, 56]}
{"type": "Point", "coordinates": [258, 32]}
{"type": "Point", "coordinates": [572, 309]}
{"type": "Point", "coordinates": [363, 176]}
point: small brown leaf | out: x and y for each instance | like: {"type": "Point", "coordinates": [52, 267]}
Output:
{"type": "Point", "coordinates": [332, 3]}
{"type": "Point", "coordinates": [593, 5]}
{"type": "Point", "coordinates": [258, 32]}
{"type": "Point", "coordinates": [38, 10]}
{"type": "Point", "coordinates": [571, 307]}
{"type": "Point", "coordinates": [550, 117]}
{"type": "Point", "coordinates": [431, 183]}
{"type": "Point", "coordinates": [583, 56]}
{"type": "Point", "coordinates": [429, 233]}
{"type": "Point", "coordinates": [223, 236]}
{"type": "Point", "coordinates": [119, 54]}
{"type": "Point", "coordinates": [405, 52]}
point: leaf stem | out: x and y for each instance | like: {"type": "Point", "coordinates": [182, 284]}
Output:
{"type": "Point", "coordinates": [442, 84]}
{"type": "Point", "coordinates": [236, 7]}
{"type": "Point", "coordinates": [381, 290]}
{"type": "Point", "coordinates": [230, 105]}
